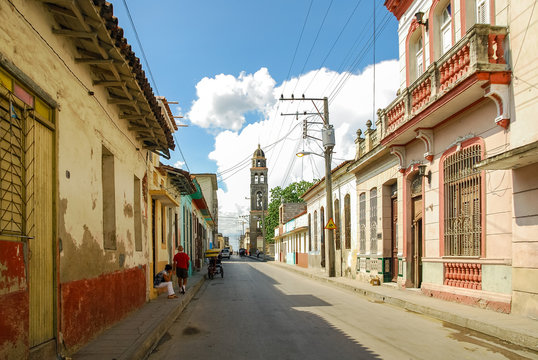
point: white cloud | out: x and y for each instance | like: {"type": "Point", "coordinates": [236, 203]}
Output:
{"type": "Point", "coordinates": [179, 164]}
{"type": "Point", "coordinates": [223, 102]}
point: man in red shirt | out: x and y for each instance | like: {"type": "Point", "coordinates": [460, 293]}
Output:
{"type": "Point", "coordinates": [181, 265]}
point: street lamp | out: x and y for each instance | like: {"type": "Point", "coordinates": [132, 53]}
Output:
{"type": "Point", "coordinates": [304, 153]}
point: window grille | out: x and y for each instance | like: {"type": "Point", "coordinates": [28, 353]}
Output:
{"type": "Point", "coordinates": [337, 223]}
{"type": "Point", "coordinates": [309, 232]}
{"type": "Point", "coordinates": [347, 228]}
{"type": "Point", "coordinates": [373, 221]}
{"type": "Point", "coordinates": [315, 230]}
{"type": "Point", "coordinates": [362, 222]}
{"type": "Point", "coordinates": [12, 180]}
{"type": "Point", "coordinates": [463, 213]}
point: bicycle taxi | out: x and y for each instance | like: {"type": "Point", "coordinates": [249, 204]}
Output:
{"type": "Point", "coordinates": [214, 263]}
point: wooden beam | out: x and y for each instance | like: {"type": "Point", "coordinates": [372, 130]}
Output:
{"type": "Point", "coordinates": [61, 10]}
{"type": "Point", "coordinates": [132, 116]}
{"type": "Point", "coordinates": [121, 102]}
{"type": "Point", "coordinates": [94, 61]}
{"type": "Point", "coordinates": [108, 83]}
{"type": "Point", "coordinates": [139, 128]}
{"type": "Point", "coordinates": [77, 34]}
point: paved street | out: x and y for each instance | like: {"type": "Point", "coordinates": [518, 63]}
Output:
{"type": "Point", "coordinates": [259, 311]}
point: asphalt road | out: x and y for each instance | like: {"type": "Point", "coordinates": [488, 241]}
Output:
{"type": "Point", "coordinates": [260, 311]}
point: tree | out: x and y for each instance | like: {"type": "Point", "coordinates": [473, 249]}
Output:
{"type": "Point", "coordinates": [291, 193]}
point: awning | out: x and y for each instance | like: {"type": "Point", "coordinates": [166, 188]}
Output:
{"type": "Point", "coordinates": [180, 179]}
{"type": "Point", "coordinates": [164, 197]}
{"type": "Point", "coordinates": [511, 159]}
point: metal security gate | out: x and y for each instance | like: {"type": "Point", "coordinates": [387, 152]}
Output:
{"type": "Point", "coordinates": [27, 179]}
{"type": "Point", "coordinates": [462, 193]}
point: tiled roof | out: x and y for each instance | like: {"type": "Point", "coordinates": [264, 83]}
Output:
{"type": "Point", "coordinates": [100, 44]}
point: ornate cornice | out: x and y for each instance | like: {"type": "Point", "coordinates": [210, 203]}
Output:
{"type": "Point", "coordinates": [398, 7]}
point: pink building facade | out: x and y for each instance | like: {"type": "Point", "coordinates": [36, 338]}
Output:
{"type": "Point", "coordinates": [460, 127]}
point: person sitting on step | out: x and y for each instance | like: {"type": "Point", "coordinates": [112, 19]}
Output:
{"type": "Point", "coordinates": [164, 279]}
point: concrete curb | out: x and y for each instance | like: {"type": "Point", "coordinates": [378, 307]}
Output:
{"type": "Point", "coordinates": [516, 337]}
{"type": "Point", "coordinates": [143, 347]}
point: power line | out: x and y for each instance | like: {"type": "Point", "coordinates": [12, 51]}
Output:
{"type": "Point", "coordinates": [298, 42]}
{"type": "Point", "coordinates": [334, 44]}
{"type": "Point", "coordinates": [141, 48]}
{"type": "Point", "coordinates": [314, 43]}
{"type": "Point", "coordinates": [181, 152]}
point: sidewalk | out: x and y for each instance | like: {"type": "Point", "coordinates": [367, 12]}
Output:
{"type": "Point", "coordinates": [512, 328]}
{"type": "Point", "coordinates": [135, 336]}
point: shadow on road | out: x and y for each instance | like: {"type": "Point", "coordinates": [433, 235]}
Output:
{"type": "Point", "coordinates": [246, 315]}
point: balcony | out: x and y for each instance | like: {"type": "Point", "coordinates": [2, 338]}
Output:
{"type": "Point", "coordinates": [460, 78]}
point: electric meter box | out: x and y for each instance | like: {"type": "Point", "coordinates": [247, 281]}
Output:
{"type": "Point", "coordinates": [327, 136]}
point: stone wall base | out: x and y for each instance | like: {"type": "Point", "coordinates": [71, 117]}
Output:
{"type": "Point", "coordinates": [482, 299]}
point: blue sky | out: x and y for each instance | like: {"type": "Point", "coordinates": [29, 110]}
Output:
{"type": "Point", "coordinates": [239, 54]}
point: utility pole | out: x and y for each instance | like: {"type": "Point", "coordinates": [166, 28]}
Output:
{"type": "Point", "coordinates": [328, 143]}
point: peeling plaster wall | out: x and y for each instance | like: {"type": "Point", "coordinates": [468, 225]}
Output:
{"type": "Point", "coordinates": [84, 124]}
{"type": "Point", "coordinates": [83, 313]}
{"type": "Point", "coordinates": [13, 301]}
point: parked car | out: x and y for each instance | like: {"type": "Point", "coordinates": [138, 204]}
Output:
{"type": "Point", "coordinates": [225, 253]}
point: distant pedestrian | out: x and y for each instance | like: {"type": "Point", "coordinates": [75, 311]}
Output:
{"type": "Point", "coordinates": [164, 279]}
{"type": "Point", "coordinates": [181, 265]}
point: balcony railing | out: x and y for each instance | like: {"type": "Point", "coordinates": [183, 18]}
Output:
{"type": "Point", "coordinates": [480, 50]}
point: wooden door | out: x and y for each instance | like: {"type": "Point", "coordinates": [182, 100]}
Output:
{"type": "Point", "coordinates": [417, 241]}
{"type": "Point", "coordinates": [27, 153]}
{"type": "Point", "coordinates": [394, 240]}
{"type": "Point", "coordinates": [41, 215]}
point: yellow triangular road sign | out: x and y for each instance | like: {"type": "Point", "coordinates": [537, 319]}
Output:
{"type": "Point", "coordinates": [330, 225]}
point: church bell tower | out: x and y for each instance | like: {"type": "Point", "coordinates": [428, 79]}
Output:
{"type": "Point", "coordinates": [258, 198]}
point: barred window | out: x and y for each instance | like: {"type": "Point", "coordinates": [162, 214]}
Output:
{"type": "Point", "coordinates": [337, 223]}
{"type": "Point", "coordinates": [309, 232]}
{"type": "Point", "coordinates": [316, 230]}
{"type": "Point", "coordinates": [462, 195]}
{"type": "Point", "coordinates": [373, 221]}
{"type": "Point", "coordinates": [347, 226]}
{"type": "Point", "coordinates": [362, 222]}
{"type": "Point", "coordinates": [12, 202]}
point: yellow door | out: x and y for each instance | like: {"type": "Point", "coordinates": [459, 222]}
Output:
{"type": "Point", "coordinates": [27, 192]}
{"type": "Point", "coordinates": [41, 216]}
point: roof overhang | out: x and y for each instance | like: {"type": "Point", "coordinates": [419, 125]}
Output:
{"type": "Point", "coordinates": [164, 197]}
{"type": "Point", "coordinates": [181, 180]}
{"type": "Point", "coordinates": [511, 159]}
{"type": "Point", "coordinates": [113, 65]}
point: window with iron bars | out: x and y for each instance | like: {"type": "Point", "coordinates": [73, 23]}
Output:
{"type": "Point", "coordinates": [373, 221]}
{"type": "Point", "coordinates": [362, 222]}
{"type": "Point", "coordinates": [337, 232]}
{"type": "Point", "coordinates": [347, 226]}
{"type": "Point", "coordinates": [462, 210]}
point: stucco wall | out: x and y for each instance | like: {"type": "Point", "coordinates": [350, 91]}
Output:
{"type": "Point", "coordinates": [84, 124]}
{"type": "Point", "coordinates": [523, 52]}
{"type": "Point", "coordinates": [525, 242]}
